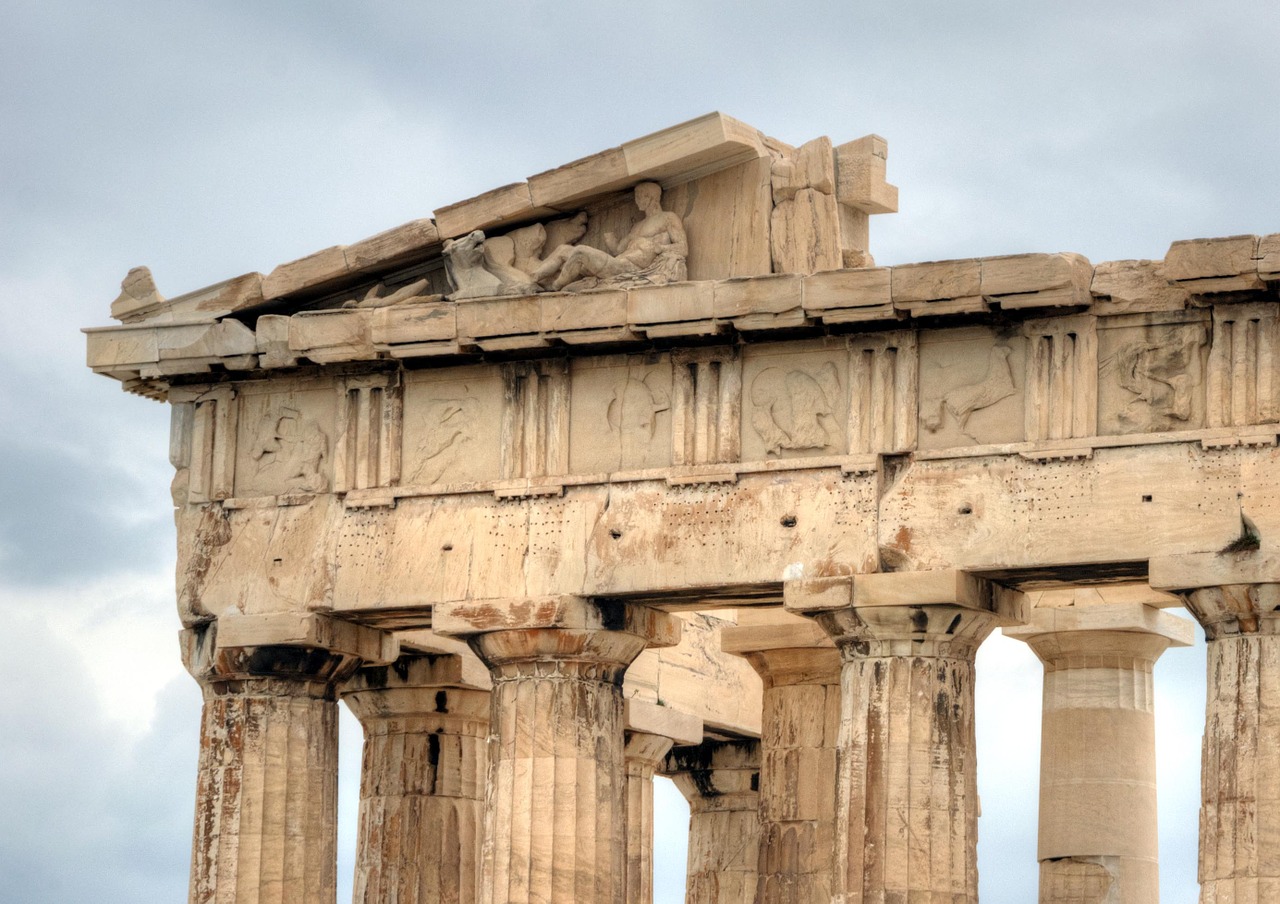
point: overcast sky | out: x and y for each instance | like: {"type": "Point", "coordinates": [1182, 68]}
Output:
{"type": "Point", "coordinates": [211, 139]}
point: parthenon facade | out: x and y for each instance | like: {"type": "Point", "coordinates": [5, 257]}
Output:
{"type": "Point", "coordinates": [643, 467]}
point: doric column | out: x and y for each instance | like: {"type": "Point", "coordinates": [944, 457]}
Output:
{"type": "Point", "coordinates": [422, 778]}
{"type": "Point", "coordinates": [555, 813]}
{"type": "Point", "coordinates": [720, 780]}
{"type": "Point", "coordinates": [267, 785]}
{"type": "Point", "coordinates": [651, 730]}
{"type": "Point", "coordinates": [1235, 597]}
{"type": "Point", "coordinates": [800, 669]}
{"type": "Point", "coordinates": [1098, 832]}
{"type": "Point", "coordinates": [907, 799]}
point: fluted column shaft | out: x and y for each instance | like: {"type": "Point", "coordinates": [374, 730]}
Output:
{"type": "Point", "coordinates": [720, 780]}
{"type": "Point", "coordinates": [1098, 827]}
{"type": "Point", "coordinates": [555, 817]}
{"type": "Point", "coordinates": [907, 799]}
{"type": "Point", "coordinates": [422, 782]}
{"type": "Point", "coordinates": [1240, 768]}
{"type": "Point", "coordinates": [800, 728]}
{"type": "Point", "coordinates": [266, 794]}
{"type": "Point", "coordinates": [643, 753]}
{"type": "Point", "coordinates": [267, 783]}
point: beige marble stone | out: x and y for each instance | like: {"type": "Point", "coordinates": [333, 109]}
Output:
{"type": "Point", "coordinates": [800, 668]}
{"type": "Point", "coordinates": [720, 781]}
{"type": "Point", "coordinates": [907, 799]}
{"type": "Point", "coordinates": [356, 453]}
{"type": "Point", "coordinates": [266, 788]}
{"type": "Point", "coordinates": [422, 780]}
{"type": "Point", "coordinates": [555, 816]}
{"type": "Point", "coordinates": [1098, 833]}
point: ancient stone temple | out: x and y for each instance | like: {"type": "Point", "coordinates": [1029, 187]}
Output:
{"type": "Point", "coordinates": [642, 467]}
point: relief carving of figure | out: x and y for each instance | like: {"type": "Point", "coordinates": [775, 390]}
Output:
{"type": "Point", "coordinates": [449, 429]}
{"type": "Point", "coordinates": [996, 385]}
{"type": "Point", "coordinates": [795, 409]}
{"type": "Point", "coordinates": [1158, 372]}
{"type": "Point", "coordinates": [652, 253]}
{"type": "Point", "coordinates": [633, 418]}
{"type": "Point", "coordinates": [290, 450]}
{"type": "Point", "coordinates": [464, 265]}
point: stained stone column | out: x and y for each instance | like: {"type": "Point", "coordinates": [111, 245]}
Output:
{"type": "Point", "coordinates": [266, 791]}
{"type": "Point", "coordinates": [651, 730]}
{"type": "Point", "coordinates": [906, 799]}
{"type": "Point", "coordinates": [555, 813]}
{"type": "Point", "coordinates": [720, 780]}
{"type": "Point", "coordinates": [1098, 831]}
{"type": "Point", "coordinates": [422, 778]}
{"type": "Point", "coordinates": [800, 669]}
{"type": "Point", "coordinates": [1235, 597]}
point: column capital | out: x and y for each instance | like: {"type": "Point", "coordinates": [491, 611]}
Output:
{"type": "Point", "coordinates": [945, 587]}
{"type": "Point", "coordinates": [1229, 594]}
{"type": "Point", "coordinates": [422, 692]}
{"type": "Point", "coordinates": [603, 636]}
{"type": "Point", "coordinates": [1102, 635]}
{"type": "Point", "coordinates": [717, 775]}
{"type": "Point", "coordinates": [312, 648]}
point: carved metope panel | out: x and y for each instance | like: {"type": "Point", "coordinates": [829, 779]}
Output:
{"type": "Point", "coordinates": [1151, 369]}
{"type": "Point", "coordinates": [884, 381]}
{"type": "Point", "coordinates": [285, 438]}
{"type": "Point", "coordinates": [620, 418]}
{"type": "Point", "coordinates": [1242, 365]}
{"type": "Point", "coordinates": [795, 400]}
{"type": "Point", "coordinates": [452, 426]}
{"type": "Point", "coordinates": [1061, 385]}
{"type": "Point", "coordinates": [706, 406]}
{"type": "Point", "coordinates": [367, 448]}
{"type": "Point", "coordinates": [535, 419]}
{"type": "Point", "coordinates": [971, 387]}
{"type": "Point", "coordinates": [202, 444]}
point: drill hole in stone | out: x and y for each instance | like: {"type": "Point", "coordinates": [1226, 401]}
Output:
{"type": "Point", "coordinates": [788, 521]}
{"type": "Point", "coordinates": [616, 534]}
{"type": "Point", "coordinates": [965, 509]}
{"type": "Point", "coordinates": [1146, 497]}
{"type": "Point", "coordinates": [448, 547]}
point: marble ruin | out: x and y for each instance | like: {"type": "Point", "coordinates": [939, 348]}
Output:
{"type": "Point", "coordinates": [643, 467]}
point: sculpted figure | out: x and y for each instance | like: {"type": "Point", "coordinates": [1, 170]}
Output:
{"type": "Point", "coordinates": [499, 259]}
{"type": "Point", "coordinates": [529, 242]}
{"type": "Point", "coordinates": [996, 385]}
{"type": "Point", "coordinates": [464, 265]}
{"type": "Point", "coordinates": [292, 448]}
{"type": "Point", "coordinates": [653, 252]}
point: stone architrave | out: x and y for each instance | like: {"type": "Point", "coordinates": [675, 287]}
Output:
{"type": "Point", "coordinates": [720, 780]}
{"type": "Point", "coordinates": [907, 795]}
{"type": "Point", "coordinates": [1098, 832]}
{"type": "Point", "coordinates": [555, 815]}
{"type": "Point", "coordinates": [267, 783]}
{"type": "Point", "coordinates": [422, 780]}
{"type": "Point", "coordinates": [651, 730]}
{"type": "Point", "coordinates": [1235, 597]}
{"type": "Point", "coordinates": [800, 668]}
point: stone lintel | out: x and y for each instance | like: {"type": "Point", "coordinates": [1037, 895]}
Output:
{"type": "Point", "coordinates": [1128, 618]}
{"type": "Point", "coordinates": [947, 587]}
{"type": "Point", "coordinates": [1084, 596]}
{"type": "Point", "coordinates": [771, 629]}
{"type": "Point", "coordinates": [1193, 571]}
{"type": "Point", "coordinates": [465, 618]}
{"type": "Point", "coordinates": [652, 718]}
